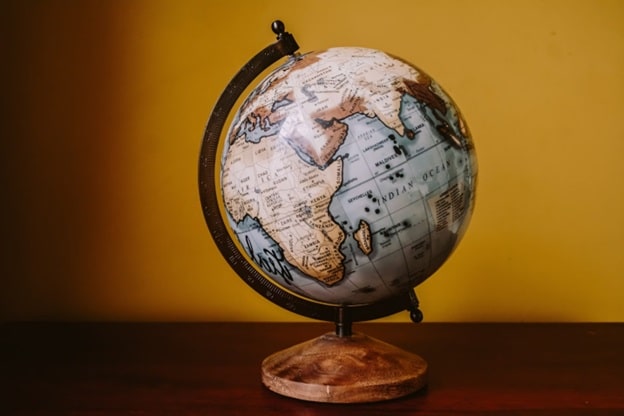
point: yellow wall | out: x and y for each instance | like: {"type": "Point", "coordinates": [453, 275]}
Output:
{"type": "Point", "coordinates": [104, 106]}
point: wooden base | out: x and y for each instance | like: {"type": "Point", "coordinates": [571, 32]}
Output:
{"type": "Point", "coordinates": [351, 369]}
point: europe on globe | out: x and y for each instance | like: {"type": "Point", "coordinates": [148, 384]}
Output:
{"type": "Point", "coordinates": [348, 176]}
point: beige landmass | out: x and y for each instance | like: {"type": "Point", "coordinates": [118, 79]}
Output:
{"type": "Point", "coordinates": [290, 199]}
{"type": "Point", "coordinates": [318, 90]}
{"type": "Point", "coordinates": [363, 237]}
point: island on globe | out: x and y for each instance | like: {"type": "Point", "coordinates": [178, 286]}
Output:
{"type": "Point", "coordinates": [348, 176]}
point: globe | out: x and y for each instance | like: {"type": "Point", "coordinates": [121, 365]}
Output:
{"type": "Point", "coordinates": [348, 176]}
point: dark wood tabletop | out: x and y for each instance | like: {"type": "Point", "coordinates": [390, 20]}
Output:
{"type": "Point", "coordinates": [214, 368]}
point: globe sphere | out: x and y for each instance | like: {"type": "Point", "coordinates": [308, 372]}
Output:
{"type": "Point", "coordinates": [348, 176]}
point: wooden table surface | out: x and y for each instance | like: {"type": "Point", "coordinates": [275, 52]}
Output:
{"type": "Point", "coordinates": [214, 368]}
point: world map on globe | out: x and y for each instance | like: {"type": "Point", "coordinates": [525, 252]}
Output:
{"type": "Point", "coordinates": [348, 176]}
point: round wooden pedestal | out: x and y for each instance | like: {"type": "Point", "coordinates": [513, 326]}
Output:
{"type": "Point", "coordinates": [350, 369]}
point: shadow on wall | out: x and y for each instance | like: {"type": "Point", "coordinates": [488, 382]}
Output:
{"type": "Point", "coordinates": [62, 64]}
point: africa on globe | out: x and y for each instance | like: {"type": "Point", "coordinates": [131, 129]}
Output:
{"type": "Point", "coordinates": [348, 176]}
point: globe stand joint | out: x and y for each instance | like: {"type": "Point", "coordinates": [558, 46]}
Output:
{"type": "Point", "coordinates": [416, 314]}
{"type": "Point", "coordinates": [343, 323]}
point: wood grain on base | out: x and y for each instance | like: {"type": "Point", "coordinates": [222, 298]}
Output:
{"type": "Point", "coordinates": [353, 369]}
